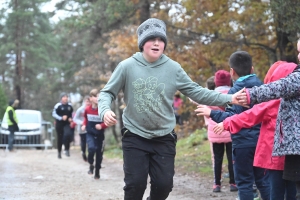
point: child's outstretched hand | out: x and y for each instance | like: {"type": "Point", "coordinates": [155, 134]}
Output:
{"type": "Point", "coordinates": [219, 128]}
{"type": "Point", "coordinates": [240, 98]}
{"type": "Point", "coordinates": [110, 118]}
{"type": "Point", "coordinates": [203, 111]}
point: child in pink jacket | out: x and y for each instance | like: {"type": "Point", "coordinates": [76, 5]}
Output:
{"type": "Point", "coordinates": [223, 141]}
{"type": "Point", "coordinates": [265, 113]}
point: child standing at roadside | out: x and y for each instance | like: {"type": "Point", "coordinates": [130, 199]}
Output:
{"type": "Point", "coordinates": [287, 132]}
{"type": "Point", "coordinates": [265, 113]}
{"type": "Point", "coordinates": [243, 143]}
{"type": "Point", "coordinates": [95, 134]}
{"type": "Point", "coordinates": [149, 80]}
{"type": "Point", "coordinates": [210, 84]}
{"type": "Point", "coordinates": [221, 142]}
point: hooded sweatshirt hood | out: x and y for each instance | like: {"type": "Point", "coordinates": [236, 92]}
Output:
{"type": "Point", "coordinates": [142, 61]}
{"type": "Point", "coordinates": [282, 70]}
{"type": "Point", "coordinates": [271, 70]}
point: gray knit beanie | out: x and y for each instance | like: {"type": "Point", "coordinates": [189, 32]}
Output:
{"type": "Point", "coordinates": [151, 28]}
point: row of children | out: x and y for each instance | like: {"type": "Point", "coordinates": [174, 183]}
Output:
{"type": "Point", "coordinates": [253, 131]}
{"type": "Point", "coordinates": [90, 129]}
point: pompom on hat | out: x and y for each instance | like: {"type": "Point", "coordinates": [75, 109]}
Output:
{"type": "Point", "coordinates": [151, 28]}
{"type": "Point", "coordinates": [222, 78]}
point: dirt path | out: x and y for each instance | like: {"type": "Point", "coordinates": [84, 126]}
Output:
{"type": "Point", "coordinates": [38, 174]}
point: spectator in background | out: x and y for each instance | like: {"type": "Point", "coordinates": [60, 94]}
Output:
{"type": "Point", "coordinates": [177, 103]}
{"type": "Point", "coordinates": [223, 141]}
{"type": "Point", "coordinates": [12, 122]}
{"type": "Point", "coordinates": [210, 84]}
{"type": "Point", "coordinates": [62, 114]}
{"type": "Point", "coordinates": [78, 119]}
{"type": "Point", "coordinates": [221, 82]}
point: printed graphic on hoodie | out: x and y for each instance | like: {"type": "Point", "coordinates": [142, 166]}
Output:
{"type": "Point", "coordinates": [148, 94]}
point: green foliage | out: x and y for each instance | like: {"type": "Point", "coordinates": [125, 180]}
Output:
{"type": "Point", "coordinates": [113, 152]}
{"type": "Point", "coordinates": [3, 102]}
{"type": "Point", "coordinates": [99, 16]}
{"type": "Point", "coordinates": [193, 153]}
{"type": "Point", "coordinates": [193, 139]}
{"type": "Point", "coordinates": [28, 33]}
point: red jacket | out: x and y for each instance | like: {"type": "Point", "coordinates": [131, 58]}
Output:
{"type": "Point", "coordinates": [265, 113]}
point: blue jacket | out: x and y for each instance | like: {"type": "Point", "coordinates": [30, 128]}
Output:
{"type": "Point", "coordinates": [247, 137]}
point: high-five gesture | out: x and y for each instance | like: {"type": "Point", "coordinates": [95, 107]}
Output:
{"type": "Point", "coordinates": [240, 98]}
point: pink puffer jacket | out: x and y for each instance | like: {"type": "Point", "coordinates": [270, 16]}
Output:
{"type": "Point", "coordinates": [225, 137]}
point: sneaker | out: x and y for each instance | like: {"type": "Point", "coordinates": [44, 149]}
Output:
{"type": "Point", "coordinates": [59, 155]}
{"type": "Point", "coordinates": [68, 153]}
{"type": "Point", "coordinates": [216, 188]}
{"type": "Point", "coordinates": [84, 157]}
{"type": "Point", "coordinates": [233, 188]}
{"type": "Point", "coordinates": [91, 171]}
{"type": "Point", "coordinates": [97, 174]}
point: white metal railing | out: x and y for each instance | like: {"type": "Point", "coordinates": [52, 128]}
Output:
{"type": "Point", "coordinates": [26, 139]}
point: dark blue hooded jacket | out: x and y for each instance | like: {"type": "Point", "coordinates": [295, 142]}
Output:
{"type": "Point", "coordinates": [247, 137]}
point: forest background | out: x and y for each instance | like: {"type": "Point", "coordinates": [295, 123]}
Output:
{"type": "Point", "coordinates": [41, 57]}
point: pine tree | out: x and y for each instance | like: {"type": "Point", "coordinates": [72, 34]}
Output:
{"type": "Point", "coordinates": [3, 102]}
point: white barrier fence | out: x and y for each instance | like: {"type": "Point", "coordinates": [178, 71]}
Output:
{"type": "Point", "coordinates": [27, 138]}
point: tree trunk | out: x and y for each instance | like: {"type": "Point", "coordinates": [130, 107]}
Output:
{"type": "Point", "coordinates": [286, 48]}
{"type": "Point", "coordinates": [144, 10]}
{"type": "Point", "coordinates": [18, 64]}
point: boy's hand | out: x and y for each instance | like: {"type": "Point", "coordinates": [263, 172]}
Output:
{"type": "Point", "coordinates": [203, 111]}
{"type": "Point", "coordinates": [98, 126]}
{"type": "Point", "coordinates": [110, 118]}
{"type": "Point", "coordinates": [219, 128]}
{"type": "Point", "coordinates": [64, 117]}
{"type": "Point", "coordinates": [83, 127]}
{"type": "Point", "coordinates": [240, 98]}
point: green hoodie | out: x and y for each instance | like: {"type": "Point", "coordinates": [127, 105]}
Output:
{"type": "Point", "coordinates": [148, 93]}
